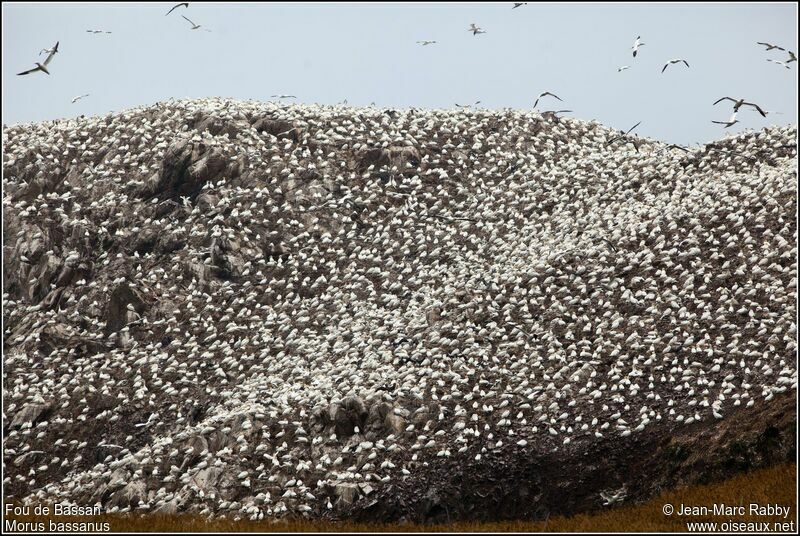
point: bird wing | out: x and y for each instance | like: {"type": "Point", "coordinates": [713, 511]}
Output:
{"type": "Point", "coordinates": [554, 95]}
{"type": "Point", "coordinates": [52, 53]}
{"type": "Point", "coordinates": [536, 102]}
{"type": "Point", "coordinates": [176, 6]}
{"type": "Point", "coordinates": [192, 23]}
{"type": "Point", "coordinates": [634, 126]}
{"type": "Point", "coordinates": [665, 67]}
{"type": "Point", "coordinates": [634, 53]}
{"type": "Point", "coordinates": [725, 98]}
{"type": "Point", "coordinates": [29, 71]}
{"type": "Point", "coordinates": [687, 63]}
{"type": "Point", "coordinates": [756, 106]}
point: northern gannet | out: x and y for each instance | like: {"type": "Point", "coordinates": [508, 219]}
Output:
{"type": "Point", "coordinates": [42, 66]}
{"type": "Point", "coordinates": [636, 45]}
{"type": "Point", "coordinates": [779, 63]}
{"type": "Point", "coordinates": [546, 93]}
{"type": "Point", "coordinates": [79, 97]}
{"type": "Point", "coordinates": [623, 134]}
{"type": "Point", "coordinates": [769, 46]}
{"type": "Point", "coordinates": [738, 103]}
{"type": "Point", "coordinates": [729, 122]}
{"type": "Point", "coordinates": [670, 62]}
{"type": "Point", "coordinates": [475, 29]}
{"type": "Point", "coordinates": [426, 43]}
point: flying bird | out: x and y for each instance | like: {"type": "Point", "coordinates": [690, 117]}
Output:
{"type": "Point", "coordinates": [97, 31]}
{"type": "Point", "coordinates": [623, 134]}
{"type": "Point", "coordinates": [468, 105]}
{"type": "Point", "coordinates": [475, 29]}
{"type": "Point", "coordinates": [79, 97]}
{"type": "Point", "coordinates": [47, 50]}
{"type": "Point", "coordinates": [769, 46]}
{"type": "Point", "coordinates": [729, 122]}
{"type": "Point", "coordinates": [426, 43]}
{"type": "Point", "coordinates": [780, 63]}
{"type": "Point", "coordinates": [546, 93]}
{"type": "Point", "coordinates": [283, 97]}
{"type": "Point", "coordinates": [792, 57]}
{"type": "Point", "coordinates": [194, 26]}
{"type": "Point", "coordinates": [670, 62]}
{"type": "Point", "coordinates": [176, 6]}
{"type": "Point", "coordinates": [624, 67]}
{"type": "Point", "coordinates": [636, 45]}
{"type": "Point", "coordinates": [738, 103]}
{"type": "Point", "coordinates": [42, 66]}
{"type": "Point", "coordinates": [519, 4]}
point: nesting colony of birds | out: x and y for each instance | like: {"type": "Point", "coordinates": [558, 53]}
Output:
{"type": "Point", "coordinates": [262, 310]}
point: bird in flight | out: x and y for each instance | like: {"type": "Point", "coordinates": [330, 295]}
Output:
{"type": "Point", "coordinates": [42, 66]}
{"type": "Point", "coordinates": [194, 26]}
{"type": "Point", "coordinates": [636, 45]}
{"type": "Point", "coordinates": [780, 63]}
{"type": "Point", "coordinates": [475, 29]}
{"type": "Point", "coordinates": [79, 97]}
{"type": "Point", "coordinates": [283, 97]}
{"type": "Point", "coordinates": [519, 4]}
{"type": "Point", "coordinates": [97, 31]}
{"type": "Point", "coordinates": [624, 67]}
{"type": "Point", "coordinates": [769, 46]}
{"type": "Point", "coordinates": [623, 134]}
{"type": "Point", "coordinates": [729, 122]}
{"type": "Point", "coordinates": [176, 6]}
{"type": "Point", "coordinates": [792, 57]}
{"type": "Point", "coordinates": [426, 43]}
{"type": "Point", "coordinates": [546, 93]}
{"type": "Point", "coordinates": [47, 50]}
{"type": "Point", "coordinates": [738, 103]}
{"type": "Point", "coordinates": [670, 62]}
{"type": "Point", "coordinates": [468, 105]}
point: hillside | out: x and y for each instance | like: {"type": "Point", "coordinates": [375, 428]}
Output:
{"type": "Point", "coordinates": [259, 310]}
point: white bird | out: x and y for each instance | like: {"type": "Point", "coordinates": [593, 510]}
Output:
{"type": "Point", "coordinates": [779, 63]}
{"type": "Point", "coordinates": [792, 57]}
{"type": "Point", "coordinates": [79, 97]}
{"type": "Point", "coordinates": [47, 50]}
{"type": "Point", "coordinates": [176, 6]}
{"type": "Point", "coordinates": [426, 43]}
{"type": "Point", "coordinates": [475, 29]}
{"type": "Point", "coordinates": [624, 67]}
{"type": "Point", "coordinates": [283, 97]}
{"type": "Point", "coordinates": [42, 66]}
{"type": "Point", "coordinates": [546, 93]}
{"type": "Point", "coordinates": [670, 62]}
{"type": "Point", "coordinates": [636, 45]}
{"type": "Point", "coordinates": [730, 122]}
{"type": "Point", "coordinates": [97, 31]}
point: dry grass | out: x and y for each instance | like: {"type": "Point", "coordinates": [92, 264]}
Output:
{"type": "Point", "coordinates": [775, 485]}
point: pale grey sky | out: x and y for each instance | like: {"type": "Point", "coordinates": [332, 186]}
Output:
{"type": "Point", "coordinates": [327, 52]}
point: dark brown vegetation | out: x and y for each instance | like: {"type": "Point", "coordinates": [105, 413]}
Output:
{"type": "Point", "coordinates": [774, 485]}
